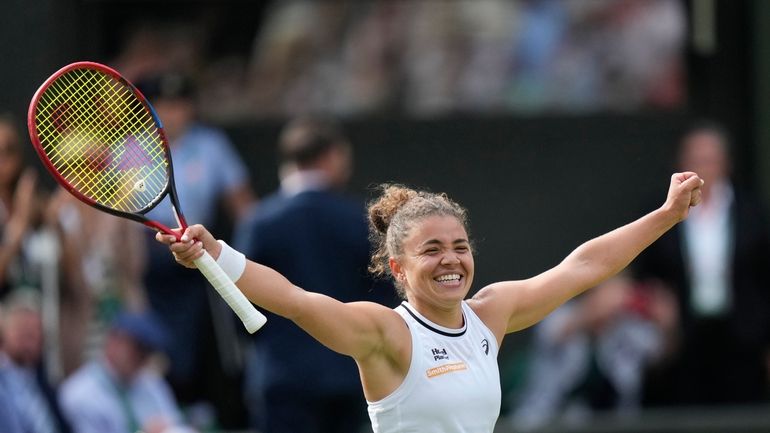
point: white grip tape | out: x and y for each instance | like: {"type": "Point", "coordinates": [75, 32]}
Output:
{"type": "Point", "coordinates": [252, 319]}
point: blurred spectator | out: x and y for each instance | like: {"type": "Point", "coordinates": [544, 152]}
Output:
{"type": "Point", "coordinates": [209, 176]}
{"type": "Point", "coordinates": [717, 264]}
{"type": "Point", "coordinates": [589, 355]}
{"type": "Point", "coordinates": [10, 419]}
{"type": "Point", "coordinates": [21, 366]}
{"type": "Point", "coordinates": [28, 252]}
{"type": "Point", "coordinates": [95, 284]}
{"type": "Point", "coordinates": [119, 392]}
{"type": "Point", "coordinates": [293, 383]}
{"type": "Point", "coordinates": [19, 213]}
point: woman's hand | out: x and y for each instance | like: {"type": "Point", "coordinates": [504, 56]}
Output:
{"type": "Point", "coordinates": [683, 193]}
{"type": "Point", "coordinates": [190, 244]}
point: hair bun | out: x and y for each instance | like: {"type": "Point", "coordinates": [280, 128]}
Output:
{"type": "Point", "coordinates": [393, 198]}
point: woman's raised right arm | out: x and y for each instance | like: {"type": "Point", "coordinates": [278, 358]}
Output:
{"type": "Point", "coordinates": [357, 329]}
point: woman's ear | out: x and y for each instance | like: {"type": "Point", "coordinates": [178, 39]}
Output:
{"type": "Point", "coordinates": [396, 269]}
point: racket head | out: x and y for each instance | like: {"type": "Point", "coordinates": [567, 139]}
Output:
{"type": "Point", "coordinates": [102, 141]}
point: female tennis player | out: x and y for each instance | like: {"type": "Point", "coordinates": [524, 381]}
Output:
{"type": "Point", "coordinates": [429, 365]}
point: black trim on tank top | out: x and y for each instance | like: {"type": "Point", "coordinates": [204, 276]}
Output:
{"type": "Point", "coordinates": [408, 309]}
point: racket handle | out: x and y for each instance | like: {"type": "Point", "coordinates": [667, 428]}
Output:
{"type": "Point", "coordinates": [252, 319]}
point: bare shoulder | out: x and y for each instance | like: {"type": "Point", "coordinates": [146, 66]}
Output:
{"type": "Point", "coordinates": [391, 325]}
{"type": "Point", "coordinates": [378, 312]}
{"type": "Point", "coordinates": [494, 303]}
{"type": "Point", "coordinates": [396, 332]}
{"type": "Point", "coordinates": [491, 296]}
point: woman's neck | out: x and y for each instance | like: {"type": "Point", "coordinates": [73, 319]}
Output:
{"type": "Point", "coordinates": [450, 316]}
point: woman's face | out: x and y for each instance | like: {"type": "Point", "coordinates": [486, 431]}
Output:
{"type": "Point", "coordinates": [126, 355]}
{"type": "Point", "coordinates": [436, 266]}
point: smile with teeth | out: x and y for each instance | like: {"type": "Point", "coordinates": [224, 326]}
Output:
{"type": "Point", "coordinates": [448, 278]}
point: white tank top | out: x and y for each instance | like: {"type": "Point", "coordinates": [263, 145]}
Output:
{"type": "Point", "coordinates": [453, 383]}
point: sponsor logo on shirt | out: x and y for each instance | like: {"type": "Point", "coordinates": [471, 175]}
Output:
{"type": "Point", "coordinates": [485, 346]}
{"type": "Point", "coordinates": [446, 368]}
{"type": "Point", "coordinates": [439, 354]}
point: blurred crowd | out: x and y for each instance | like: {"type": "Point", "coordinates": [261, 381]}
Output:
{"type": "Point", "coordinates": [434, 57]}
{"type": "Point", "coordinates": [100, 331]}
{"type": "Point", "coordinates": [688, 325]}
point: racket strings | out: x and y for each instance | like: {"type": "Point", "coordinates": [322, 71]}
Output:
{"type": "Point", "coordinates": [102, 140]}
{"type": "Point", "coordinates": [103, 153]}
{"type": "Point", "coordinates": [77, 145]}
{"type": "Point", "coordinates": [101, 157]}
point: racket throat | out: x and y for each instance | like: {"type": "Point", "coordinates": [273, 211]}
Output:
{"type": "Point", "coordinates": [180, 221]}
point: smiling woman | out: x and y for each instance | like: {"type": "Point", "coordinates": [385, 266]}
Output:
{"type": "Point", "coordinates": [392, 218]}
{"type": "Point", "coordinates": [430, 364]}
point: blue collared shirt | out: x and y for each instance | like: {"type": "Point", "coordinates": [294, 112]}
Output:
{"type": "Point", "coordinates": [28, 408]}
{"type": "Point", "coordinates": [94, 401]}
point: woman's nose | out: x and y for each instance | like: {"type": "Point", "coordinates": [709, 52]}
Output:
{"type": "Point", "coordinates": [450, 259]}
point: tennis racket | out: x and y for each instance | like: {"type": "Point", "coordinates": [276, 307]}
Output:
{"type": "Point", "coordinates": [103, 142]}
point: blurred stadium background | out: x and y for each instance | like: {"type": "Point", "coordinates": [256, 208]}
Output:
{"type": "Point", "coordinates": [553, 121]}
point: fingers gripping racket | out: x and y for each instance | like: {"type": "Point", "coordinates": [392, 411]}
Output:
{"type": "Point", "coordinates": [103, 142]}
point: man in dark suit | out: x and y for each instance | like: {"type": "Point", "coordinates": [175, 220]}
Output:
{"type": "Point", "coordinates": [718, 265]}
{"type": "Point", "coordinates": [318, 238]}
